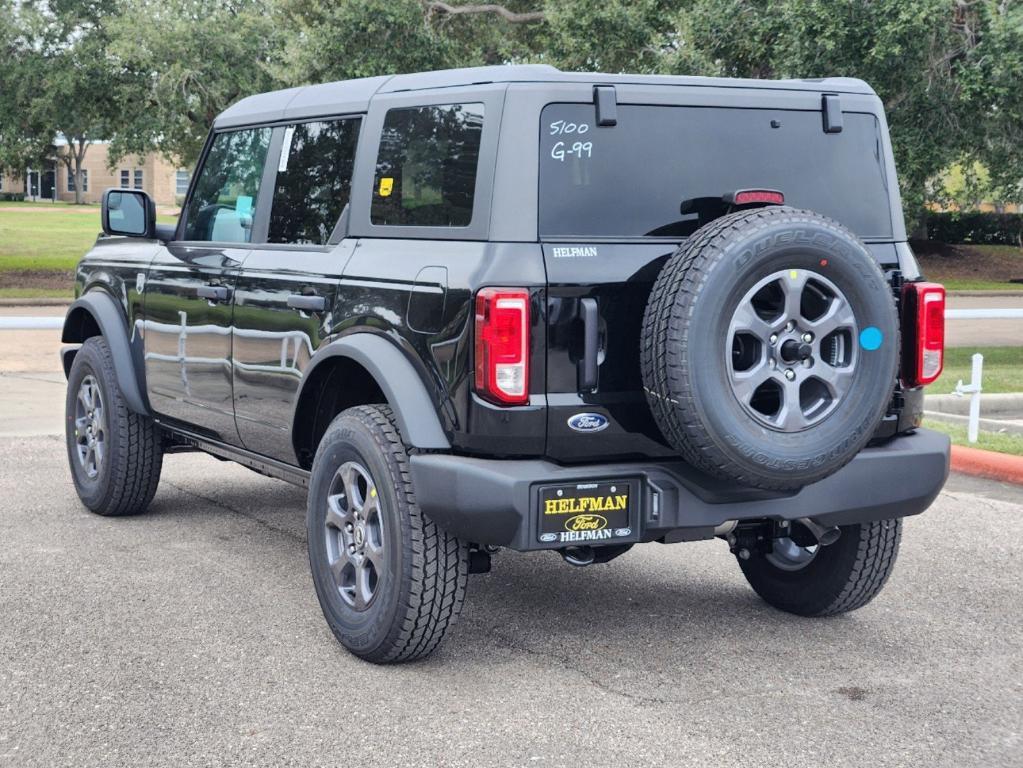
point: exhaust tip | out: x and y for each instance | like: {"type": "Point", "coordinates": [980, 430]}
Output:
{"type": "Point", "coordinates": [825, 535]}
{"type": "Point", "coordinates": [580, 557]}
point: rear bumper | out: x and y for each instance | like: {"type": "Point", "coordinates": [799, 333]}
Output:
{"type": "Point", "coordinates": [496, 501]}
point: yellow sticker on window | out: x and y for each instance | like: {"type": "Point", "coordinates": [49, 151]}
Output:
{"type": "Point", "coordinates": [386, 186]}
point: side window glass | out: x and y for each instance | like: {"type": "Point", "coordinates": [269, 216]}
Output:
{"type": "Point", "coordinates": [314, 181]}
{"type": "Point", "coordinates": [426, 167]}
{"type": "Point", "coordinates": [227, 190]}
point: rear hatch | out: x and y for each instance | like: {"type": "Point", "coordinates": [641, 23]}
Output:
{"type": "Point", "coordinates": [610, 214]}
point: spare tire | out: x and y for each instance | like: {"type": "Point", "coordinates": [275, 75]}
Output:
{"type": "Point", "coordinates": [770, 347]}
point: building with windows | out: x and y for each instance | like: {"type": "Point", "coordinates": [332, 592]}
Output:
{"type": "Point", "coordinates": [164, 182]}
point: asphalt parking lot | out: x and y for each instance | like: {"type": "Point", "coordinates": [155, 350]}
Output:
{"type": "Point", "coordinates": [192, 636]}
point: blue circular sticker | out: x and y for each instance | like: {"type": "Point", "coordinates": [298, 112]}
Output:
{"type": "Point", "coordinates": [871, 338]}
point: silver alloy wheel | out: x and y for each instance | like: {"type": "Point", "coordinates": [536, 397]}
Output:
{"type": "Point", "coordinates": [354, 528]}
{"type": "Point", "coordinates": [791, 349]}
{"type": "Point", "coordinates": [90, 427]}
{"type": "Point", "coordinates": [789, 556]}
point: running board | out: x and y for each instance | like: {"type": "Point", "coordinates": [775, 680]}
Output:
{"type": "Point", "coordinates": [262, 464]}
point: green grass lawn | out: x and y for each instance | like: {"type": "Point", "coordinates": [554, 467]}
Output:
{"type": "Point", "coordinates": [955, 284]}
{"type": "Point", "coordinates": [45, 204]}
{"type": "Point", "coordinates": [989, 441]}
{"type": "Point", "coordinates": [1003, 369]}
{"type": "Point", "coordinates": [51, 240]}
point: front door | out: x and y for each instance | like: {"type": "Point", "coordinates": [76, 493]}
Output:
{"type": "Point", "coordinates": [285, 293]}
{"type": "Point", "coordinates": [188, 336]}
{"type": "Point", "coordinates": [48, 185]}
{"type": "Point", "coordinates": [190, 287]}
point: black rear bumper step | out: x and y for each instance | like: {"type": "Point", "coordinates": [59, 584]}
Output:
{"type": "Point", "coordinates": [495, 501]}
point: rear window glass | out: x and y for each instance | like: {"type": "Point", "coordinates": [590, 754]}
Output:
{"type": "Point", "coordinates": [426, 168]}
{"type": "Point", "coordinates": [314, 181]}
{"type": "Point", "coordinates": [634, 179]}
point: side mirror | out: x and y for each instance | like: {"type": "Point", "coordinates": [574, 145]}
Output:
{"type": "Point", "coordinates": [129, 212]}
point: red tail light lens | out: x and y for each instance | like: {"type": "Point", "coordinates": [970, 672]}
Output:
{"type": "Point", "coordinates": [923, 318]}
{"type": "Point", "coordinates": [769, 196]}
{"type": "Point", "coordinates": [502, 345]}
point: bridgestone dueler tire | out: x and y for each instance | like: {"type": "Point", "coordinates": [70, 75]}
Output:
{"type": "Point", "coordinates": [423, 586]}
{"type": "Point", "coordinates": [128, 477]}
{"type": "Point", "coordinates": [841, 577]}
{"type": "Point", "coordinates": [685, 327]}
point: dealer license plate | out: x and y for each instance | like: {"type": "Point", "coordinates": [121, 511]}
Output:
{"type": "Point", "coordinates": [585, 512]}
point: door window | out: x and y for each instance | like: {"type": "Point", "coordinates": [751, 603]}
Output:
{"type": "Point", "coordinates": [426, 167]}
{"type": "Point", "coordinates": [223, 203]}
{"type": "Point", "coordinates": [314, 181]}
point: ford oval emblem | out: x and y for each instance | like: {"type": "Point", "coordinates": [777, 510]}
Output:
{"type": "Point", "coordinates": [588, 422]}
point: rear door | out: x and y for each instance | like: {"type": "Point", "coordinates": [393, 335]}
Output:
{"type": "Point", "coordinates": [284, 299]}
{"type": "Point", "coordinates": [611, 201]}
{"type": "Point", "coordinates": [190, 284]}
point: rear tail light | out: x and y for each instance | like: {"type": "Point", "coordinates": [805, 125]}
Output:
{"type": "Point", "coordinates": [923, 320]}
{"type": "Point", "coordinates": [502, 345]}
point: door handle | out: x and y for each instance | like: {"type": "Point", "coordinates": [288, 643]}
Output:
{"type": "Point", "coordinates": [587, 367]}
{"type": "Point", "coordinates": [213, 292]}
{"type": "Point", "coordinates": [308, 303]}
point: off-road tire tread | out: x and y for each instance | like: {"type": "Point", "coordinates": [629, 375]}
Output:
{"type": "Point", "coordinates": [664, 341]}
{"type": "Point", "coordinates": [440, 562]}
{"type": "Point", "coordinates": [135, 478]}
{"type": "Point", "coordinates": [875, 560]}
{"type": "Point", "coordinates": [877, 549]}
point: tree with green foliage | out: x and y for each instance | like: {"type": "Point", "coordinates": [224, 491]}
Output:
{"type": "Point", "coordinates": [948, 71]}
{"type": "Point", "coordinates": [189, 60]}
{"type": "Point", "coordinates": [939, 66]}
{"type": "Point", "coordinates": [59, 82]}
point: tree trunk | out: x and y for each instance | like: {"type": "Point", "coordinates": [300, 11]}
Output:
{"type": "Point", "coordinates": [69, 166]}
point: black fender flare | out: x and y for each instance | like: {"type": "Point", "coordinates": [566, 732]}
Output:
{"type": "Point", "coordinates": [398, 380]}
{"type": "Point", "coordinates": [110, 318]}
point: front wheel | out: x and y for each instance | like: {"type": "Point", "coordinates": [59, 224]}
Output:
{"type": "Point", "coordinates": [389, 581]}
{"type": "Point", "coordinates": [115, 455]}
{"type": "Point", "coordinates": [824, 581]}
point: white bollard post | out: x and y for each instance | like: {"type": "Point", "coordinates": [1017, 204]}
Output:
{"type": "Point", "coordinates": [975, 389]}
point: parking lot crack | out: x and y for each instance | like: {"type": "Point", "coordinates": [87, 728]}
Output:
{"type": "Point", "coordinates": [227, 507]}
{"type": "Point", "coordinates": [565, 662]}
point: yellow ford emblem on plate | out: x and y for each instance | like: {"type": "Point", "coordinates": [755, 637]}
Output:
{"type": "Point", "coordinates": [586, 523]}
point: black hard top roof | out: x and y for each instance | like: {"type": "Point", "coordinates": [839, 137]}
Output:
{"type": "Point", "coordinates": [352, 96]}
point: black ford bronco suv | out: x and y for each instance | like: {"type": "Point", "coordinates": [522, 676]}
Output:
{"type": "Point", "coordinates": [517, 308]}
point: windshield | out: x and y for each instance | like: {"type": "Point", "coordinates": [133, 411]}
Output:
{"type": "Point", "coordinates": [635, 178]}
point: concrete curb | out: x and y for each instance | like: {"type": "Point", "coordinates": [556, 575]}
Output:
{"type": "Point", "coordinates": [35, 302]}
{"type": "Point", "coordinates": [1007, 402]}
{"type": "Point", "coordinates": [994, 466]}
{"type": "Point", "coordinates": [986, 425]}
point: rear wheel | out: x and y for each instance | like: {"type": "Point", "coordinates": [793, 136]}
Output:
{"type": "Point", "coordinates": [824, 581]}
{"type": "Point", "coordinates": [115, 455]}
{"type": "Point", "coordinates": [389, 581]}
